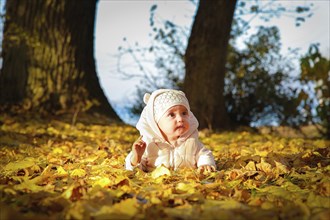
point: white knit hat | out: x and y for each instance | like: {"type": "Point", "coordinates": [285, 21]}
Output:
{"type": "Point", "coordinates": [166, 100]}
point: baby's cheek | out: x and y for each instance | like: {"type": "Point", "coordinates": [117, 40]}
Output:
{"type": "Point", "coordinates": [187, 128]}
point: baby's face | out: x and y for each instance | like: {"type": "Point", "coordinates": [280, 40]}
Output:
{"type": "Point", "coordinates": [174, 123]}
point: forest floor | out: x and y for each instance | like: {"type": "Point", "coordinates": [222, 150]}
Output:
{"type": "Point", "coordinates": [56, 169]}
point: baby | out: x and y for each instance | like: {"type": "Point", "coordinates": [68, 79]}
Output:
{"type": "Point", "coordinates": [169, 135]}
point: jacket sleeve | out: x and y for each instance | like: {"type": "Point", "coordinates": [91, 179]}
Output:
{"type": "Point", "coordinates": [128, 164]}
{"type": "Point", "coordinates": [204, 156]}
{"type": "Point", "coordinates": [141, 165]}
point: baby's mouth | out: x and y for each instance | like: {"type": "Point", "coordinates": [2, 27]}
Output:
{"type": "Point", "coordinates": [180, 127]}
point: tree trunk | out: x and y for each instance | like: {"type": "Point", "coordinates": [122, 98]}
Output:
{"type": "Point", "coordinates": [205, 63]}
{"type": "Point", "coordinates": [48, 57]}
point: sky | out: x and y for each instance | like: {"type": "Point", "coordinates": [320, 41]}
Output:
{"type": "Point", "coordinates": [130, 19]}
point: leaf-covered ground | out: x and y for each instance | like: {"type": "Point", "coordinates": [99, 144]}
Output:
{"type": "Point", "coordinates": [52, 169]}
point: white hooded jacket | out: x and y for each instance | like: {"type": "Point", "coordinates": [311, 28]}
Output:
{"type": "Point", "coordinates": [188, 151]}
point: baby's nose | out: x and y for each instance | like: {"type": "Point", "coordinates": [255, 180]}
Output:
{"type": "Point", "coordinates": [180, 118]}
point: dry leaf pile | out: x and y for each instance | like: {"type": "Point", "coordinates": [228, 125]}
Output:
{"type": "Point", "coordinates": [53, 170]}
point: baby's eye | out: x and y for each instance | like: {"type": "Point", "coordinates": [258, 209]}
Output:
{"type": "Point", "coordinates": [184, 113]}
{"type": "Point", "coordinates": [171, 115]}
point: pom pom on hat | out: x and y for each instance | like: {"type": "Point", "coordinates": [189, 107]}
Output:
{"type": "Point", "coordinates": [146, 98]}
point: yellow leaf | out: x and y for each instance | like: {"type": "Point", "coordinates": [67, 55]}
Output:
{"type": "Point", "coordinates": [78, 173]}
{"type": "Point", "coordinates": [57, 150]}
{"type": "Point", "coordinates": [317, 154]}
{"type": "Point", "coordinates": [160, 171]}
{"type": "Point", "coordinates": [255, 201]}
{"type": "Point", "coordinates": [23, 164]}
{"type": "Point", "coordinates": [105, 181]}
{"type": "Point", "coordinates": [294, 188]}
{"type": "Point", "coordinates": [251, 166]}
{"type": "Point", "coordinates": [68, 192]}
{"type": "Point", "coordinates": [91, 159]}
{"type": "Point", "coordinates": [186, 188]}
{"type": "Point", "coordinates": [276, 191]}
{"type": "Point", "coordinates": [10, 191]}
{"type": "Point", "coordinates": [316, 201]}
{"type": "Point", "coordinates": [167, 193]}
{"type": "Point", "coordinates": [185, 211]}
{"type": "Point", "coordinates": [28, 185]}
{"type": "Point", "coordinates": [155, 200]}
{"type": "Point", "coordinates": [61, 171]}
{"type": "Point", "coordinates": [262, 153]}
{"type": "Point", "coordinates": [267, 205]}
{"type": "Point", "coordinates": [126, 209]}
{"type": "Point", "coordinates": [264, 166]}
{"type": "Point", "coordinates": [225, 204]}
{"type": "Point", "coordinates": [281, 168]}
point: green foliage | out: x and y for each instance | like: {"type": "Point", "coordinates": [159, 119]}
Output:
{"type": "Point", "coordinates": [315, 75]}
{"type": "Point", "coordinates": [257, 84]}
{"type": "Point", "coordinates": [51, 169]}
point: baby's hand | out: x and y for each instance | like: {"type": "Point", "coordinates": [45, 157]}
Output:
{"type": "Point", "coordinates": [138, 148]}
{"type": "Point", "coordinates": [206, 168]}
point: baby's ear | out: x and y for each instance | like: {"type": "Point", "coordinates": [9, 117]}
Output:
{"type": "Point", "coordinates": [146, 98]}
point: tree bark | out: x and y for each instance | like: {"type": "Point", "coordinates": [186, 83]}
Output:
{"type": "Point", "coordinates": [48, 57]}
{"type": "Point", "coordinates": [205, 61]}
